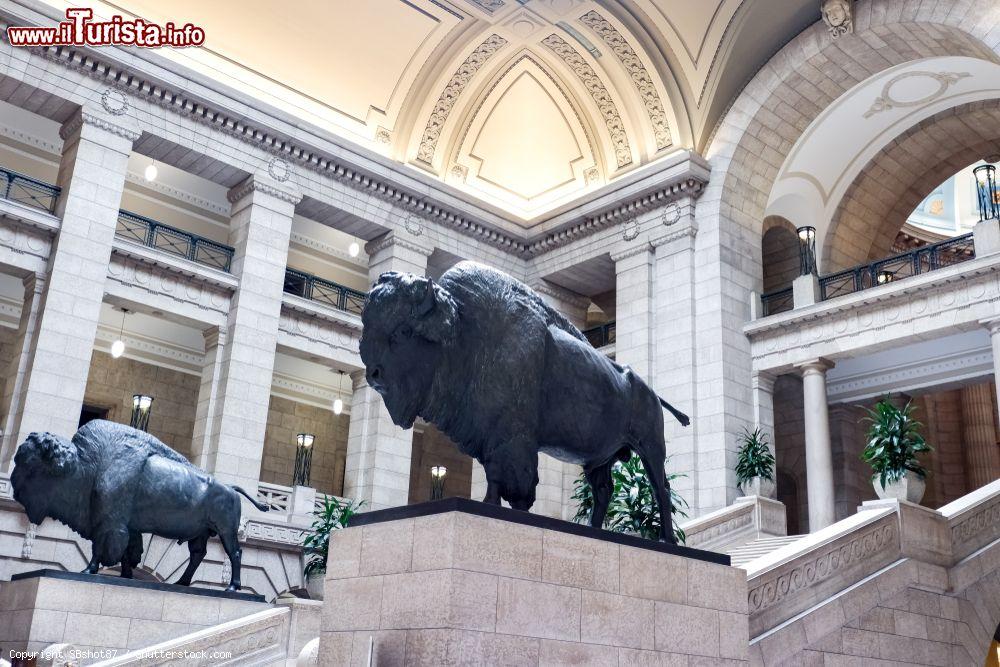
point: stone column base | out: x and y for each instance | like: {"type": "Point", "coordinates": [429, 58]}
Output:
{"type": "Point", "coordinates": [458, 582]}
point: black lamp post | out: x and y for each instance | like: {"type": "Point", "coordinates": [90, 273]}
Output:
{"type": "Point", "coordinates": [986, 188]}
{"type": "Point", "coordinates": [303, 459]}
{"type": "Point", "coordinates": [807, 250]}
{"type": "Point", "coordinates": [141, 407]}
{"type": "Point", "coordinates": [437, 482]}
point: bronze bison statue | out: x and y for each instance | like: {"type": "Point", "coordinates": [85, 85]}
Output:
{"type": "Point", "coordinates": [111, 483]}
{"type": "Point", "coordinates": [486, 360]}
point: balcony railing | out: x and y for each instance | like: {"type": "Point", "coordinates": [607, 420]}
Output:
{"type": "Point", "coordinates": [778, 301]}
{"type": "Point", "coordinates": [912, 263]}
{"type": "Point", "coordinates": [601, 335]}
{"type": "Point", "coordinates": [28, 191]}
{"type": "Point", "coordinates": [333, 294]}
{"type": "Point", "coordinates": [165, 238]}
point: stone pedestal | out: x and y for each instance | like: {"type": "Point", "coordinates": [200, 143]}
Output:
{"type": "Point", "coordinates": [458, 582]}
{"type": "Point", "coordinates": [98, 614]}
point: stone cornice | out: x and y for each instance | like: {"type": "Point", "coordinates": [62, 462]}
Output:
{"type": "Point", "coordinates": [85, 117]}
{"type": "Point", "coordinates": [131, 82]}
{"type": "Point", "coordinates": [388, 240]}
{"type": "Point", "coordinates": [254, 184]}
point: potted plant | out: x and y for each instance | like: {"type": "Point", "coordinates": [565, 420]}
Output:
{"type": "Point", "coordinates": [755, 464]}
{"type": "Point", "coordinates": [332, 515]}
{"type": "Point", "coordinates": [633, 507]}
{"type": "Point", "coordinates": [891, 450]}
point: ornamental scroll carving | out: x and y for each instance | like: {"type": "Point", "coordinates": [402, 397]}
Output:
{"type": "Point", "coordinates": [452, 90]}
{"type": "Point", "coordinates": [600, 94]}
{"type": "Point", "coordinates": [818, 568]}
{"type": "Point", "coordinates": [637, 71]}
{"type": "Point", "coordinates": [982, 527]}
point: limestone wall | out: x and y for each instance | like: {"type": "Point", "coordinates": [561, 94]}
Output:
{"type": "Point", "coordinates": [112, 383]}
{"type": "Point", "coordinates": [286, 419]}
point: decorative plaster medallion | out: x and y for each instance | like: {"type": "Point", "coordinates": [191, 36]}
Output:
{"type": "Point", "coordinates": [838, 15]}
{"type": "Point", "coordinates": [630, 229]}
{"type": "Point", "coordinates": [488, 6]}
{"type": "Point", "coordinates": [114, 102]}
{"type": "Point", "coordinates": [279, 169]}
{"type": "Point", "coordinates": [452, 90]}
{"type": "Point", "coordinates": [383, 136]}
{"type": "Point", "coordinates": [637, 72]}
{"type": "Point", "coordinates": [591, 176]}
{"type": "Point", "coordinates": [671, 214]}
{"type": "Point", "coordinates": [597, 90]}
{"type": "Point", "coordinates": [886, 101]}
{"type": "Point", "coordinates": [413, 226]}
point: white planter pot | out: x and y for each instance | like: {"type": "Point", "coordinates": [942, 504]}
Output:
{"type": "Point", "coordinates": [314, 585]}
{"type": "Point", "coordinates": [758, 486]}
{"type": "Point", "coordinates": [909, 488]}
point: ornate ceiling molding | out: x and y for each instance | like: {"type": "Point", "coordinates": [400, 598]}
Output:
{"type": "Point", "coordinates": [452, 90]}
{"type": "Point", "coordinates": [600, 94]}
{"type": "Point", "coordinates": [637, 72]}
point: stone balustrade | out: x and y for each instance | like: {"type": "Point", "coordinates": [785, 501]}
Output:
{"type": "Point", "coordinates": [747, 519]}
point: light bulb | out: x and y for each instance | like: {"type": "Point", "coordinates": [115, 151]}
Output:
{"type": "Point", "coordinates": [353, 249]}
{"type": "Point", "coordinates": [151, 172]}
{"type": "Point", "coordinates": [338, 406]}
{"type": "Point", "coordinates": [117, 349]}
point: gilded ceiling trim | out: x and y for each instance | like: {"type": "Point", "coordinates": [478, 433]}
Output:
{"type": "Point", "coordinates": [637, 72]}
{"type": "Point", "coordinates": [597, 90]}
{"type": "Point", "coordinates": [446, 101]}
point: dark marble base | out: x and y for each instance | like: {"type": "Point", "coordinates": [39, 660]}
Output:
{"type": "Point", "coordinates": [136, 583]}
{"type": "Point", "coordinates": [526, 518]}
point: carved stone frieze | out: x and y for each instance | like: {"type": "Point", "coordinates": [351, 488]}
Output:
{"type": "Point", "coordinates": [159, 280]}
{"type": "Point", "coordinates": [637, 71]}
{"type": "Point", "coordinates": [599, 92]}
{"type": "Point", "coordinates": [980, 527]}
{"type": "Point", "coordinates": [22, 239]}
{"type": "Point", "coordinates": [452, 90]}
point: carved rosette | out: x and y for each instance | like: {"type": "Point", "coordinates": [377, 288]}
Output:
{"type": "Point", "coordinates": [449, 96]}
{"type": "Point", "coordinates": [637, 71]}
{"type": "Point", "coordinates": [594, 85]}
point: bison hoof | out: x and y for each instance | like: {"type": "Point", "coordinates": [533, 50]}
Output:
{"type": "Point", "coordinates": [233, 587]}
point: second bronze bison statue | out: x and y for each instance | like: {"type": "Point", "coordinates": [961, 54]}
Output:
{"type": "Point", "coordinates": [485, 359]}
{"type": "Point", "coordinates": [111, 483]}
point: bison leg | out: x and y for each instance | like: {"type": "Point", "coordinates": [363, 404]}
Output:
{"type": "Point", "coordinates": [197, 548]}
{"type": "Point", "coordinates": [231, 543]}
{"type": "Point", "coordinates": [514, 466]}
{"type": "Point", "coordinates": [599, 478]}
{"type": "Point", "coordinates": [133, 554]}
{"type": "Point", "coordinates": [652, 460]}
{"type": "Point", "coordinates": [110, 544]}
{"type": "Point", "coordinates": [492, 493]}
{"type": "Point", "coordinates": [93, 566]}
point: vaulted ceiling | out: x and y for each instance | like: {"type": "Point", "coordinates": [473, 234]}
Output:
{"type": "Point", "coordinates": [524, 104]}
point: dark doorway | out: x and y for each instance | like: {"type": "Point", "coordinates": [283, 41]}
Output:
{"type": "Point", "coordinates": [92, 412]}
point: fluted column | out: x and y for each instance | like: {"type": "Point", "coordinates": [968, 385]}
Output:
{"type": "Point", "coordinates": [982, 457]}
{"type": "Point", "coordinates": [819, 454]}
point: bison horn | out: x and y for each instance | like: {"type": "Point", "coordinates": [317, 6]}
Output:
{"type": "Point", "coordinates": [428, 301]}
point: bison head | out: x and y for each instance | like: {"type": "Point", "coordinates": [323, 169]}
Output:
{"type": "Point", "coordinates": [41, 459]}
{"type": "Point", "coordinates": [408, 322]}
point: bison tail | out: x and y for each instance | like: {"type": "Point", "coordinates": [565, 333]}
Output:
{"type": "Point", "coordinates": [680, 416]}
{"type": "Point", "coordinates": [256, 503]}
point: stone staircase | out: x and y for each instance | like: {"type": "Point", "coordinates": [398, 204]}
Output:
{"type": "Point", "coordinates": [758, 548]}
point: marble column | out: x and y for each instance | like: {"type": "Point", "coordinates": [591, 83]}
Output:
{"type": "Point", "coordinates": [819, 455]}
{"type": "Point", "coordinates": [259, 229]}
{"type": "Point", "coordinates": [377, 467]}
{"type": "Point", "coordinates": [982, 456]}
{"type": "Point", "coordinates": [17, 368]}
{"type": "Point", "coordinates": [207, 411]}
{"type": "Point", "coordinates": [56, 365]}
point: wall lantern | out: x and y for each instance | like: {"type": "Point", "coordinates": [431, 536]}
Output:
{"type": "Point", "coordinates": [986, 188]}
{"type": "Point", "coordinates": [303, 459]}
{"type": "Point", "coordinates": [807, 250]}
{"type": "Point", "coordinates": [141, 407]}
{"type": "Point", "coordinates": [883, 277]}
{"type": "Point", "coordinates": [437, 482]}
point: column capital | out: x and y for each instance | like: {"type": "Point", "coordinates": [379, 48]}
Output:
{"type": "Point", "coordinates": [571, 298]}
{"type": "Point", "coordinates": [819, 365]}
{"type": "Point", "coordinates": [633, 251]}
{"type": "Point", "coordinates": [86, 116]}
{"type": "Point", "coordinates": [390, 239]}
{"type": "Point", "coordinates": [34, 282]}
{"type": "Point", "coordinates": [993, 325]}
{"type": "Point", "coordinates": [286, 192]}
{"type": "Point", "coordinates": [763, 380]}
{"type": "Point", "coordinates": [214, 337]}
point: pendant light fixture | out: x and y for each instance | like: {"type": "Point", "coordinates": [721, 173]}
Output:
{"type": "Point", "coordinates": [118, 347]}
{"type": "Point", "coordinates": [338, 405]}
{"type": "Point", "coordinates": [151, 171]}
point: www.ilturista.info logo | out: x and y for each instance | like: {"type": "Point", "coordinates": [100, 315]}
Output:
{"type": "Point", "coordinates": [80, 30]}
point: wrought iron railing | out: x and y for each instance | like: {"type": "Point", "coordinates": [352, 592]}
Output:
{"type": "Point", "coordinates": [912, 263]}
{"type": "Point", "coordinates": [333, 294]}
{"type": "Point", "coordinates": [602, 335]}
{"type": "Point", "coordinates": [159, 236]}
{"type": "Point", "coordinates": [778, 301]}
{"type": "Point", "coordinates": [28, 191]}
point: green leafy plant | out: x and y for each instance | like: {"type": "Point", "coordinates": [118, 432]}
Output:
{"type": "Point", "coordinates": [893, 443]}
{"type": "Point", "coordinates": [754, 458]}
{"type": "Point", "coordinates": [333, 515]}
{"type": "Point", "coordinates": [633, 507]}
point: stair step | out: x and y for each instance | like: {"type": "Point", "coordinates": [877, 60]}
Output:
{"type": "Point", "coordinates": [758, 548]}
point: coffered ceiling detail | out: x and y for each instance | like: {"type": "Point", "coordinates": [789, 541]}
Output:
{"type": "Point", "coordinates": [619, 83]}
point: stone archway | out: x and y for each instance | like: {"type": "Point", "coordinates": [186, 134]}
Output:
{"type": "Point", "coordinates": [779, 254]}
